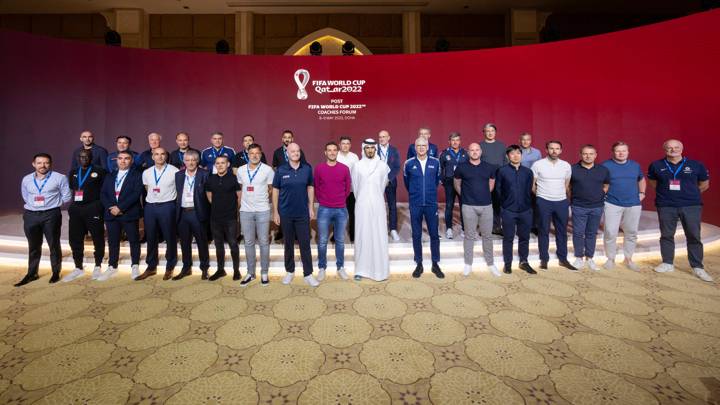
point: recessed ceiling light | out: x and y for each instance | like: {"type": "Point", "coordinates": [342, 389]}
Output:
{"type": "Point", "coordinates": [186, 7]}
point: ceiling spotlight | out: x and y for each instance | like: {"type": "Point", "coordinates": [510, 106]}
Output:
{"type": "Point", "coordinates": [316, 48]}
{"type": "Point", "coordinates": [348, 48]}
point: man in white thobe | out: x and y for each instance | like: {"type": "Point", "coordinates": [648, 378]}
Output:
{"type": "Point", "coordinates": [369, 178]}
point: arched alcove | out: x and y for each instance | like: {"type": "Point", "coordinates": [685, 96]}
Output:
{"type": "Point", "coordinates": [331, 40]}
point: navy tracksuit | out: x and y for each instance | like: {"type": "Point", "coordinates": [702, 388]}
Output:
{"type": "Point", "coordinates": [422, 192]}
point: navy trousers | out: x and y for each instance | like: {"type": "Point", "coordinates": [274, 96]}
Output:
{"type": "Point", "coordinates": [132, 231]}
{"type": "Point", "coordinates": [557, 212]}
{"type": "Point", "coordinates": [450, 195]}
{"type": "Point", "coordinates": [160, 217]}
{"type": "Point", "coordinates": [190, 227]}
{"type": "Point", "coordinates": [297, 228]}
{"type": "Point", "coordinates": [391, 197]}
{"type": "Point", "coordinates": [430, 214]}
{"type": "Point", "coordinates": [516, 223]}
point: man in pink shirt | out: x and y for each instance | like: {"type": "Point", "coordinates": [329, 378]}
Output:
{"type": "Point", "coordinates": [332, 187]}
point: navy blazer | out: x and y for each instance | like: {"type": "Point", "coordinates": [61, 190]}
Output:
{"type": "Point", "coordinates": [129, 200]}
{"type": "Point", "coordinates": [393, 161]}
{"type": "Point", "coordinates": [202, 205]}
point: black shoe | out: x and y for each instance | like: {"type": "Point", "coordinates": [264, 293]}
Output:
{"type": "Point", "coordinates": [567, 265]}
{"type": "Point", "coordinates": [147, 273]}
{"type": "Point", "coordinates": [543, 265]}
{"type": "Point", "coordinates": [248, 278]}
{"type": "Point", "coordinates": [534, 231]}
{"type": "Point", "coordinates": [526, 266]}
{"type": "Point", "coordinates": [507, 269]}
{"type": "Point", "coordinates": [278, 236]}
{"type": "Point", "coordinates": [55, 278]}
{"type": "Point", "coordinates": [236, 275]}
{"type": "Point", "coordinates": [436, 271]}
{"type": "Point", "coordinates": [183, 273]}
{"type": "Point", "coordinates": [418, 270]}
{"type": "Point", "coordinates": [497, 231]}
{"type": "Point", "coordinates": [218, 274]}
{"type": "Point", "coordinates": [204, 274]}
{"type": "Point", "coordinates": [27, 279]}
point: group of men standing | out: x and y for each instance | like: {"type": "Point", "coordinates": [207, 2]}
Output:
{"type": "Point", "coordinates": [198, 195]}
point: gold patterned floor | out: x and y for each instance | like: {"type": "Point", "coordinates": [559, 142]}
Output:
{"type": "Point", "coordinates": [612, 337]}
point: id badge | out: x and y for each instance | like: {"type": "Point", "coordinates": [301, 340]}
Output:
{"type": "Point", "coordinates": [39, 201]}
{"type": "Point", "coordinates": [250, 188]}
{"type": "Point", "coordinates": [79, 195]}
{"type": "Point", "coordinates": [674, 185]}
{"type": "Point", "coordinates": [156, 190]}
{"type": "Point", "coordinates": [117, 195]}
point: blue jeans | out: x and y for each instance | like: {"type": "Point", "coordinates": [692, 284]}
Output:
{"type": "Point", "coordinates": [586, 222]}
{"type": "Point", "coordinates": [338, 217]}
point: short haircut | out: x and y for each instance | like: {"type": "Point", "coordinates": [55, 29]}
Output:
{"type": "Point", "coordinates": [182, 133]}
{"type": "Point", "coordinates": [618, 143]}
{"type": "Point", "coordinates": [345, 138]}
{"type": "Point", "coordinates": [124, 137]}
{"type": "Point", "coordinates": [254, 146]}
{"type": "Point", "coordinates": [548, 143]}
{"type": "Point", "coordinates": [191, 153]}
{"type": "Point", "coordinates": [512, 148]}
{"type": "Point", "coordinates": [587, 146]}
{"type": "Point", "coordinates": [490, 125]}
{"type": "Point", "coordinates": [43, 155]}
{"type": "Point", "coordinates": [155, 134]}
{"type": "Point", "coordinates": [217, 133]}
{"type": "Point", "coordinates": [250, 135]}
{"type": "Point", "coordinates": [525, 134]}
{"type": "Point", "coordinates": [331, 143]}
{"type": "Point", "coordinates": [224, 157]}
{"type": "Point", "coordinates": [287, 131]}
{"type": "Point", "coordinates": [125, 153]}
{"type": "Point", "coordinates": [425, 128]}
{"type": "Point", "coordinates": [453, 135]}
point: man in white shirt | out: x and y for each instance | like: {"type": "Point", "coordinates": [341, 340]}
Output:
{"type": "Point", "coordinates": [551, 186]}
{"type": "Point", "coordinates": [256, 180]}
{"type": "Point", "coordinates": [348, 159]}
{"type": "Point", "coordinates": [159, 182]}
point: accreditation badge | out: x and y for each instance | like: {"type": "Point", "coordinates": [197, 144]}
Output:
{"type": "Point", "coordinates": [39, 201]}
{"type": "Point", "coordinates": [249, 188]}
{"type": "Point", "coordinates": [674, 185]}
{"type": "Point", "coordinates": [79, 195]}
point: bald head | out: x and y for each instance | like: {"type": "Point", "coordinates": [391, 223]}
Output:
{"type": "Point", "coordinates": [673, 149]}
{"type": "Point", "coordinates": [293, 151]}
{"type": "Point", "coordinates": [159, 156]}
{"type": "Point", "coordinates": [474, 152]}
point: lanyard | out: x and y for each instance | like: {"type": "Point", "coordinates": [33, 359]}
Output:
{"type": "Point", "coordinates": [252, 176]}
{"type": "Point", "coordinates": [245, 156]}
{"type": "Point", "coordinates": [676, 172]}
{"type": "Point", "coordinates": [40, 188]}
{"type": "Point", "coordinates": [157, 179]}
{"type": "Point", "coordinates": [382, 154]}
{"type": "Point", "coordinates": [190, 183]}
{"type": "Point", "coordinates": [218, 153]}
{"type": "Point", "coordinates": [81, 179]}
{"type": "Point", "coordinates": [118, 181]}
{"type": "Point", "coordinates": [182, 157]}
{"type": "Point", "coordinates": [455, 155]}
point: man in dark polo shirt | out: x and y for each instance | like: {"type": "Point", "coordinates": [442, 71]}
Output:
{"type": "Point", "coordinates": [513, 185]}
{"type": "Point", "coordinates": [474, 180]}
{"type": "Point", "coordinates": [86, 213]}
{"type": "Point", "coordinates": [223, 192]}
{"type": "Point", "coordinates": [177, 157]}
{"type": "Point", "coordinates": [588, 184]}
{"type": "Point", "coordinates": [679, 183]}
{"type": "Point", "coordinates": [293, 196]}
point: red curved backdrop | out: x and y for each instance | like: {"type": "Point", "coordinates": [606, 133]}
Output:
{"type": "Point", "coordinates": [640, 86]}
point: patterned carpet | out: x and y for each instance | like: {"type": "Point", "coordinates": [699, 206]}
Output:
{"type": "Point", "coordinates": [612, 337]}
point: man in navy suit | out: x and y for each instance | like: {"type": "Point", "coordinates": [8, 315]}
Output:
{"type": "Point", "coordinates": [390, 155]}
{"type": "Point", "coordinates": [423, 132]}
{"type": "Point", "coordinates": [193, 212]}
{"type": "Point", "coordinates": [120, 195]}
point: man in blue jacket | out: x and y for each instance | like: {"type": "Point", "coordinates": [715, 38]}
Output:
{"type": "Point", "coordinates": [422, 177]}
{"type": "Point", "coordinates": [99, 154]}
{"type": "Point", "coordinates": [192, 213]}
{"type": "Point", "coordinates": [449, 160]}
{"type": "Point", "coordinates": [390, 155]}
{"type": "Point", "coordinates": [120, 195]}
{"type": "Point", "coordinates": [423, 132]}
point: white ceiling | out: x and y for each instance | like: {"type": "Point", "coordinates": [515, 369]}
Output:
{"type": "Point", "coordinates": [340, 6]}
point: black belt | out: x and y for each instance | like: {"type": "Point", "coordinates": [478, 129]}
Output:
{"type": "Point", "coordinates": [186, 209]}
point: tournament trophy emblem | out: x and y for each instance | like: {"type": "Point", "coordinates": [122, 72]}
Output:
{"type": "Point", "coordinates": [301, 83]}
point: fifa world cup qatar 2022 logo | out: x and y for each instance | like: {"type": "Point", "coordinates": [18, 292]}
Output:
{"type": "Point", "coordinates": [302, 77]}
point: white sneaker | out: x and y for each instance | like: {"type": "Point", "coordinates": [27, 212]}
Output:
{"type": "Point", "coordinates": [109, 273]}
{"type": "Point", "coordinates": [311, 281]}
{"type": "Point", "coordinates": [609, 264]}
{"type": "Point", "coordinates": [591, 264]}
{"type": "Point", "coordinates": [321, 275]}
{"type": "Point", "coordinates": [494, 270]}
{"type": "Point", "coordinates": [631, 265]}
{"type": "Point", "coordinates": [394, 235]}
{"type": "Point", "coordinates": [77, 273]}
{"type": "Point", "coordinates": [702, 274]}
{"type": "Point", "coordinates": [97, 272]}
{"type": "Point", "coordinates": [664, 268]}
{"type": "Point", "coordinates": [462, 235]}
{"type": "Point", "coordinates": [449, 234]}
{"type": "Point", "coordinates": [288, 278]}
{"type": "Point", "coordinates": [134, 271]}
{"type": "Point", "coordinates": [467, 270]}
{"type": "Point", "coordinates": [579, 263]}
{"type": "Point", "coordinates": [343, 275]}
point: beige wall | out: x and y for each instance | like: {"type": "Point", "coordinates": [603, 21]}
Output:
{"type": "Point", "coordinates": [191, 32]}
{"type": "Point", "coordinates": [82, 27]}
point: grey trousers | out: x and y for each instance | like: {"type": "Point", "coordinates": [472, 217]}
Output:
{"type": "Point", "coordinates": [256, 225]}
{"type": "Point", "coordinates": [630, 219]}
{"type": "Point", "coordinates": [690, 218]}
{"type": "Point", "coordinates": [475, 216]}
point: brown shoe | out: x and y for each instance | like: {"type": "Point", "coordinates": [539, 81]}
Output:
{"type": "Point", "coordinates": [168, 275]}
{"type": "Point", "coordinates": [147, 273]}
